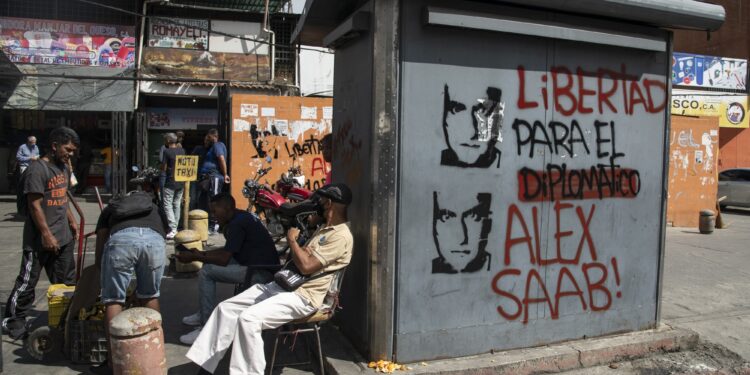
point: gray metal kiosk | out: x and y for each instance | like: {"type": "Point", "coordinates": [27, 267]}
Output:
{"type": "Point", "coordinates": [508, 160]}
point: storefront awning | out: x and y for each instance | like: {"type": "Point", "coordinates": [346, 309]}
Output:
{"type": "Point", "coordinates": [47, 87]}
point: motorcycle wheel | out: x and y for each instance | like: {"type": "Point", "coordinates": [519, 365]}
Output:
{"type": "Point", "coordinates": [42, 341]}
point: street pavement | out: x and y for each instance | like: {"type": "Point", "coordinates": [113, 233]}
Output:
{"type": "Point", "coordinates": [705, 289]}
{"type": "Point", "coordinates": [707, 282]}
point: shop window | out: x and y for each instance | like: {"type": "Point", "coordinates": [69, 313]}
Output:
{"type": "Point", "coordinates": [283, 26]}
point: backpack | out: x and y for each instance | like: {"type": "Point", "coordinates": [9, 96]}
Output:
{"type": "Point", "coordinates": [135, 203]}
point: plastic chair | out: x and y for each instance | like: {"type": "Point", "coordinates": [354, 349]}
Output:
{"type": "Point", "coordinates": [312, 323]}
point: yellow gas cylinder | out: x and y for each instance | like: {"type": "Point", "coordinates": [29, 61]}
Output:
{"type": "Point", "coordinates": [192, 240]}
{"type": "Point", "coordinates": [198, 221]}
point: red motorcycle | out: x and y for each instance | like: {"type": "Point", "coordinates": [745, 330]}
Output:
{"type": "Point", "coordinates": [276, 213]}
{"type": "Point", "coordinates": [291, 183]}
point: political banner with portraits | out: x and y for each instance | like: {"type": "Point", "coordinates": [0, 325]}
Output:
{"type": "Point", "coordinates": [37, 41]}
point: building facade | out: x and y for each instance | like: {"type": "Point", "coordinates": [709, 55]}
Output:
{"type": "Point", "coordinates": [732, 40]}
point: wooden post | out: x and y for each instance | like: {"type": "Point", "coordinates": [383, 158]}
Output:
{"type": "Point", "coordinates": [186, 205]}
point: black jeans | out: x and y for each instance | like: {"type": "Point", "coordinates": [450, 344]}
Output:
{"type": "Point", "coordinates": [60, 269]}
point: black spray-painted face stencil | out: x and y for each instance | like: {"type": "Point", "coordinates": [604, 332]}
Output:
{"type": "Point", "coordinates": [460, 228]}
{"type": "Point", "coordinates": [472, 133]}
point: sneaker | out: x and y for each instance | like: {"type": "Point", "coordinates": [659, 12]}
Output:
{"type": "Point", "coordinates": [101, 369]}
{"type": "Point", "coordinates": [189, 338]}
{"type": "Point", "coordinates": [171, 234]}
{"type": "Point", "coordinates": [192, 320]}
{"type": "Point", "coordinates": [15, 330]}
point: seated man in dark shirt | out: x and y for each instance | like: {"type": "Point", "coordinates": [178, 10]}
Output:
{"type": "Point", "coordinates": [248, 244]}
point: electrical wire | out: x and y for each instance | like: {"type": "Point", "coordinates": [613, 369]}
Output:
{"type": "Point", "coordinates": [169, 20]}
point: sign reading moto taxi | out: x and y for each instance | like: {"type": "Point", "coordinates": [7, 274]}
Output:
{"type": "Point", "coordinates": [186, 168]}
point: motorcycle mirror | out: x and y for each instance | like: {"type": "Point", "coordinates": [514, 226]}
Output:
{"type": "Point", "coordinates": [268, 159]}
{"type": "Point", "coordinates": [134, 168]}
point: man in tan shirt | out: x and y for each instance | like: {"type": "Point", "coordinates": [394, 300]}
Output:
{"type": "Point", "coordinates": [243, 317]}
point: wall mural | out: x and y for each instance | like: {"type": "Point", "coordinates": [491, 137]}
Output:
{"type": "Point", "coordinates": [475, 145]}
{"type": "Point", "coordinates": [569, 139]}
{"type": "Point", "coordinates": [460, 228]}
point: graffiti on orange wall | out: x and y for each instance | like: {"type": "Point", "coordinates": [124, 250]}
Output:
{"type": "Point", "coordinates": [278, 132]}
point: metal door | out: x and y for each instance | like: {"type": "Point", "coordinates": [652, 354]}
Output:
{"type": "Point", "coordinates": [119, 152]}
{"type": "Point", "coordinates": [141, 139]}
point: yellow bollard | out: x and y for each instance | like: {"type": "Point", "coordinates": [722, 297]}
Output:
{"type": "Point", "coordinates": [198, 221]}
{"type": "Point", "coordinates": [192, 240]}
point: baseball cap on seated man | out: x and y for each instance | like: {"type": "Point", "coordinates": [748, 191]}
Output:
{"type": "Point", "coordinates": [339, 193]}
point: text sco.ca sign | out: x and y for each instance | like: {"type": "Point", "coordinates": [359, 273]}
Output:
{"type": "Point", "coordinates": [730, 109]}
{"type": "Point", "coordinates": [186, 168]}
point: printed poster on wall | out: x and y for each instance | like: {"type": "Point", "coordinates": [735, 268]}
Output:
{"type": "Point", "coordinates": [173, 62]}
{"type": "Point", "coordinates": [708, 71]}
{"type": "Point", "coordinates": [38, 41]}
{"type": "Point", "coordinates": [248, 110]}
{"type": "Point", "coordinates": [178, 33]}
{"type": "Point", "coordinates": [730, 109]}
{"type": "Point", "coordinates": [180, 118]}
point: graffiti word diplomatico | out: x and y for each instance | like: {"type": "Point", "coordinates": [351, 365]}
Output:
{"type": "Point", "coordinates": [581, 275]}
{"type": "Point", "coordinates": [606, 179]}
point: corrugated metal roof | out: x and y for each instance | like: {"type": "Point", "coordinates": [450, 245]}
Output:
{"type": "Point", "coordinates": [242, 85]}
{"type": "Point", "coordinates": [256, 6]}
{"type": "Point", "coordinates": [320, 17]}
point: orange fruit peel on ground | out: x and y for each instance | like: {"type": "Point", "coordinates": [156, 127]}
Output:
{"type": "Point", "coordinates": [386, 366]}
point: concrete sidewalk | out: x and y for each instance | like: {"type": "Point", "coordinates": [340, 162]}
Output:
{"type": "Point", "coordinates": [705, 290]}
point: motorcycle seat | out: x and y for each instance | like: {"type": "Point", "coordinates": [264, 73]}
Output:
{"type": "Point", "coordinates": [293, 209]}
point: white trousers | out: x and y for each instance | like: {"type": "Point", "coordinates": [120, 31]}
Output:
{"type": "Point", "coordinates": [241, 319]}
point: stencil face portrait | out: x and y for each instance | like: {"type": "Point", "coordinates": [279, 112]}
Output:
{"type": "Point", "coordinates": [460, 227]}
{"type": "Point", "coordinates": [471, 126]}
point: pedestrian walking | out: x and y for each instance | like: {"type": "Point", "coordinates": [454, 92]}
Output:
{"type": "Point", "coordinates": [27, 153]}
{"type": "Point", "coordinates": [213, 174]}
{"type": "Point", "coordinates": [49, 231]}
{"type": "Point", "coordinates": [200, 151]}
{"type": "Point", "coordinates": [172, 192]}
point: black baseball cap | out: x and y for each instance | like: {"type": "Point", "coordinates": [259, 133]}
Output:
{"type": "Point", "coordinates": [339, 193]}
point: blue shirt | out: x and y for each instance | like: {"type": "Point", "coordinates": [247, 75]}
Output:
{"type": "Point", "coordinates": [249, 241]}
{"type": "Point", "coordinates": [211, 160]}
{"type": "Point", "coordinates": [25, 153]}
